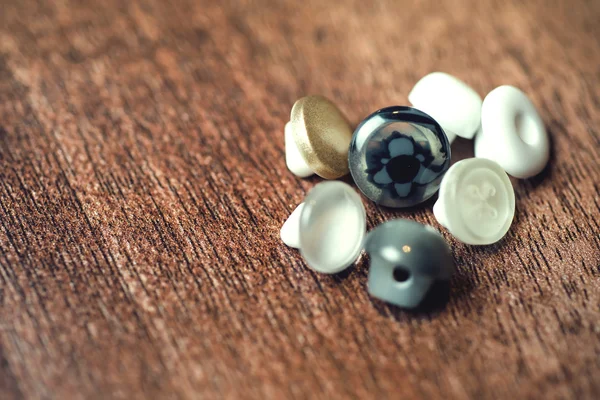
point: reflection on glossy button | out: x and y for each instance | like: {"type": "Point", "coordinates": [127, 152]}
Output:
{"type": "Point", "coordinates": [476, 202]}
{"type": "Point", "coordinates": [398, 156]}
{"type": "Point", "coordinates": [328, 227]}
{"type": "Point", "coordinates": [317, 139]}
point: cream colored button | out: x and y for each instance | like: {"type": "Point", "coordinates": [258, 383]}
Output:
{"type": "Point", "coordinates": [317, 139]}
{"type": "Point", "coordinates": [476, 201]}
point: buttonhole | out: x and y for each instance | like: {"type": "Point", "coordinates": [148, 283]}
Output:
{"type": "Point", "coordinates": [401, 274]}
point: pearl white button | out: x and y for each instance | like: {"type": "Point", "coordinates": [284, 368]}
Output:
{"type": "Point", "coordinates": [328, 227]}
{"type": "Point", "coordinates": [476, 202]}
{"type": "Point", "coordinates": [451, 102]}
{"type": "Point", "coordinates": [512, 133]}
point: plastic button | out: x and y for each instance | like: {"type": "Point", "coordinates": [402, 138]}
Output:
{"type": "Point", "coordinates": [512, 133]}
{"type": "Point", "coordinates": [398, 156]}
{"type": "Point", "coordinates": [407, 258]}
{"type": "Point", "coordinates": [453, 104]}
{"type": "Point", "coordinates": [476, 202]}
{"type": "Point", "coordinates": [317, 139]}
{"type": "Point", "coordinates": [328, 227]}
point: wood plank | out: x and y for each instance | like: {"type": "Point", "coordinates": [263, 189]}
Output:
{"type": "Point", "coordinates": [143, 185]}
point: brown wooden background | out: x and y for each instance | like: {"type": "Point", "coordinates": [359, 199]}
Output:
{"type": "Point", "coordinates": [143, 185]}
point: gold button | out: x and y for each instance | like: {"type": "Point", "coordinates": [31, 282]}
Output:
{"type": "Point", "coordinates": [322, 136]}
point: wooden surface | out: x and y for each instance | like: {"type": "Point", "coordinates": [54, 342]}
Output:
{"type": "Point", "coordinates": [143, 185]}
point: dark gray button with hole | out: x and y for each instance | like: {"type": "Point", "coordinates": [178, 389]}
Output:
{"type": "Point", "coordinates": [407, 258]}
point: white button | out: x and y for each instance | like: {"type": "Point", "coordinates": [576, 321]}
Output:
{"type": "Point", "coordinates": [512, 133]}
{"type": "Point", "coordinates": [293, 158]}
{"type": "Point", "coordinates": [450, 101]}
{"type": "Point", "coordinates": [328, 228]}
{"type": "Point", "coordinates": [290, 231]}
{"type": "Point", "coordinates": [476, 202]}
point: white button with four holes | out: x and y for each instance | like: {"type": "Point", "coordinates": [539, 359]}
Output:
{"type": "Point", "coordinates": [512, 133]}
{"type": "Point", "coordinates": [476, 201]}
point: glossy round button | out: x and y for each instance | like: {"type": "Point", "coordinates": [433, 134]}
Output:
{"type": "Point", "coordinates": [512, 133]}
{"type": "Point", "coordinates": [328, 227]}
{"type": "Point", "coordinates": [476, 202]}
{"type": "Point", "coordinates": [317, 139]}
{"type": "Point", "coordinates": [398, 156]}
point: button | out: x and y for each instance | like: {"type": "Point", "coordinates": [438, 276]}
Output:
{"type": "Point", "coordinates": [407, 259]}
{"type": "Point", "coordinates": [293, 158]}
{"type": "Point", "coordinates": [398, 156]}
{"type": "Point", "coordinates": [451, 102]}
{"type": "Point", "coordinates": [290, 231]}
{"type": "Point", "coordinates": [476, 202]}
{"type": "Point", "coordinates": [328, 227]}
{"type": "Point", "coordinates": [512, 133]}
{"type": "Point", "coordinates": [317, 139]}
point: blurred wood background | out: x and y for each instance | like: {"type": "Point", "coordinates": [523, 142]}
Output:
{"type": "Point", "coordinates": [143, 185]}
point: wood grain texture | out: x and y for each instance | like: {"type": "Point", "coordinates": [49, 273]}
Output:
{"type": "Point", "coordinates": [143, 185]}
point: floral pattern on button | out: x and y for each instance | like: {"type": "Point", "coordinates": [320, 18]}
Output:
{"type": "Point", "coordinates": [398, 156]}
{"type": "Point", "coordinates": [482, 196]}
{"type": "Point", "coordinates": [401, 164]}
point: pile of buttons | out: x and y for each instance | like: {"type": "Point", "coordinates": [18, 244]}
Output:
{"type": "Point", "coordinates": [400, 157]}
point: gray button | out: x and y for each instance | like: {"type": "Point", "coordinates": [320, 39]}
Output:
{"type": "Point", "coordinates": [407, 258]}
